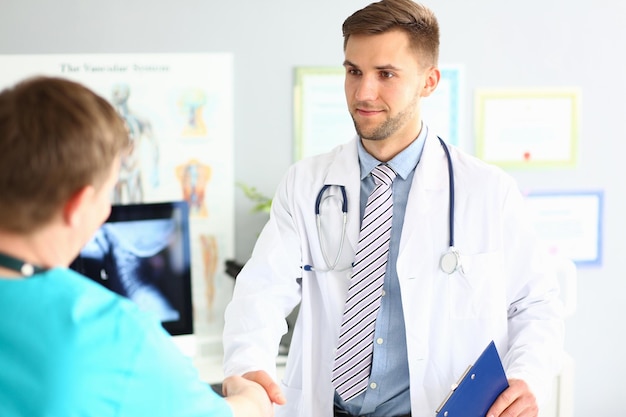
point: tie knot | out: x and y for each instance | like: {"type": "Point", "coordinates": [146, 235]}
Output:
{"type": "Point", "coordinates": [383, 175]}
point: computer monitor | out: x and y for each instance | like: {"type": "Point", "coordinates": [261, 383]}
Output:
{"type": "Point", "coordinates": [142, 252]}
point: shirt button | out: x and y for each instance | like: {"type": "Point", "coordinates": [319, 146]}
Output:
{"type": "Point", "coordinates": [373, 385]}
{"type": "Point", "coordinates": [384, 293]}
{"type": "Point", "coordinates": [379, 340]}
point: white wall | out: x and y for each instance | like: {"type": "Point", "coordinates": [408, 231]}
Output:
{"type": "Point", "coordinates": [501, 44]}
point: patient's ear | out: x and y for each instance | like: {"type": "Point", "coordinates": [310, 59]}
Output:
{"type": "Point", "coordinates": [77, 206]}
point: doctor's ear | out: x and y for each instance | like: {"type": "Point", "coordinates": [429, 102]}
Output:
{"type": "Point", "coordinates": [432, 76]}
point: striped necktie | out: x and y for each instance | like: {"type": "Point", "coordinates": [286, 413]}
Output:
{"type": "Point", "coordinates": [353, 358]}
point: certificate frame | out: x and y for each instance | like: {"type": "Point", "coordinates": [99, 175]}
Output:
{"type": "Point", "coordinates": [528, 128]}
{"type": "Point", "coordinates": [569, 223]}
{"type": "Point", "coordinates": [321, 117]}
{"type": "Point", "coordinates": [322, 120]}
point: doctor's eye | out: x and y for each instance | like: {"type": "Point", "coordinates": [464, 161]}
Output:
{"type": "Point", "coordinates": [353, 71]}
{"type": "Point", "coordinates": [386, 74]}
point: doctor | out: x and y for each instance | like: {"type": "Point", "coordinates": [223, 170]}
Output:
{"type": "Point", "coordinates": [439, 306]}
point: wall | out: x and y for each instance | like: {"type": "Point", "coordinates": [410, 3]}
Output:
{"type": "Point", "coordinates": [500, 43]}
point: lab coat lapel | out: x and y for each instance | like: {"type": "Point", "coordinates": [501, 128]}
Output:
{"type": "Point", "coordinates": [345, 170]}
{"type": "Point", "coordinates": [428, 200]}
{"type": "Point", "coordinates": [423, 233]}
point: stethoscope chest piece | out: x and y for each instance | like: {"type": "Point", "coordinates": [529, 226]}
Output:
{"type": "Point", "coordinates": [450, 261]}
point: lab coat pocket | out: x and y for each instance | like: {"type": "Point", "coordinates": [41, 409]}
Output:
{"type": "Point", "coordinates": [476, 290]}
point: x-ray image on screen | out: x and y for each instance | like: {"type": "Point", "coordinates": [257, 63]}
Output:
{"type": "Point", "coordinates": [142, 252]}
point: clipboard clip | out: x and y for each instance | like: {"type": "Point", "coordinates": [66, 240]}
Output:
{"type": "Point", "coordinates": [452, 389]}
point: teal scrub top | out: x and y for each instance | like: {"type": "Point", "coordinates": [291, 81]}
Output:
{"type": "Point", "coordinates": [69, 347]}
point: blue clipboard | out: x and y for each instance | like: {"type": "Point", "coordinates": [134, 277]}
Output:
{"type": "Point", "coordinates": [477, 388]}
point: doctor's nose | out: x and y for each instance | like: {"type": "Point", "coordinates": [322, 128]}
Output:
{"type": "Point", "coordinates": [366, 89]}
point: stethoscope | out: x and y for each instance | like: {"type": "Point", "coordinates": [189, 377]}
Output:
{"type": "Point", "coordinates": [450, 261]}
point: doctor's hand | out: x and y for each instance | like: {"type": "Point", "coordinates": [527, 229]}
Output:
{"type": "Point", "coordinates": [246, 398]}
{"type": "Point", "coordinates": [273, 390]}
{"type": "Point", "coordinates": [515, 401]}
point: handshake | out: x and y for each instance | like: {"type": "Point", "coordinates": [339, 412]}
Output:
{"type": "Point", "coordinates": [252, 395]}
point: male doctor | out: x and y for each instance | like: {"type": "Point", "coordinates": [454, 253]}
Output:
{"type": "Point", "coordinates": [432, 319]}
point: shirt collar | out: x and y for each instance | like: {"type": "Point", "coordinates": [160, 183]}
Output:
{"type": "Point", "coordinates": [403, 163]}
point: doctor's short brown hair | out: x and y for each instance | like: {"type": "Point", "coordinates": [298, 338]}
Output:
{"type": "Point", "coordinates": [56, 137]}
{"type": "Point", "coordinates": [418, 21]}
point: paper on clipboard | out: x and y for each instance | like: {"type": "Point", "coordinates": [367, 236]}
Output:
{"type": "Point", "coordinates": [477, 388]}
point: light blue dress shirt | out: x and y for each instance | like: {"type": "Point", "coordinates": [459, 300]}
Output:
{"type": "Point", "coordinates": [388, 391]}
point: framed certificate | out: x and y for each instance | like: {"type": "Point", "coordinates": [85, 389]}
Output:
{"type": "Point", "coordinates": [528, 128]}
{"type": "Point", "coordinates": [569, 223]}
{"type": "Point", "coordinates": [321, 117]}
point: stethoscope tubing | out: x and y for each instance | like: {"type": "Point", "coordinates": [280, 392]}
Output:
{"type": "Point", "coordinates": [344, 200]}
{"type": "Point", "coordinates": [450, 193]}
{"type": "Point", "coordinates": [452, 253]}
{"type": "Point", "coordinates": [318, 222]}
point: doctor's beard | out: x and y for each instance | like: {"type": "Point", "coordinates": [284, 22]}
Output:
{"type": "Point", "coordinates": [391, 125]}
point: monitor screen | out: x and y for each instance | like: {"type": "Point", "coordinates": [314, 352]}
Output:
{"type": "Point", "coordinates": [142, 252]}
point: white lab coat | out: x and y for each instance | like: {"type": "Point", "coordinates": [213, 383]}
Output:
{"type": "Point", "coordinates": [501, 295]}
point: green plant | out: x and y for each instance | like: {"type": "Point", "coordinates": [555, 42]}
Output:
{"type": "Point", "coordinates": [262, 202]}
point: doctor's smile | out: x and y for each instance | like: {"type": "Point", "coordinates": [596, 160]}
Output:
{"type": "Point", "coordinates": [368, 112]}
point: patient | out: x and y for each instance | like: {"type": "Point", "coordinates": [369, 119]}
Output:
{"type": "Point", "coordinates": [68, 346]}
